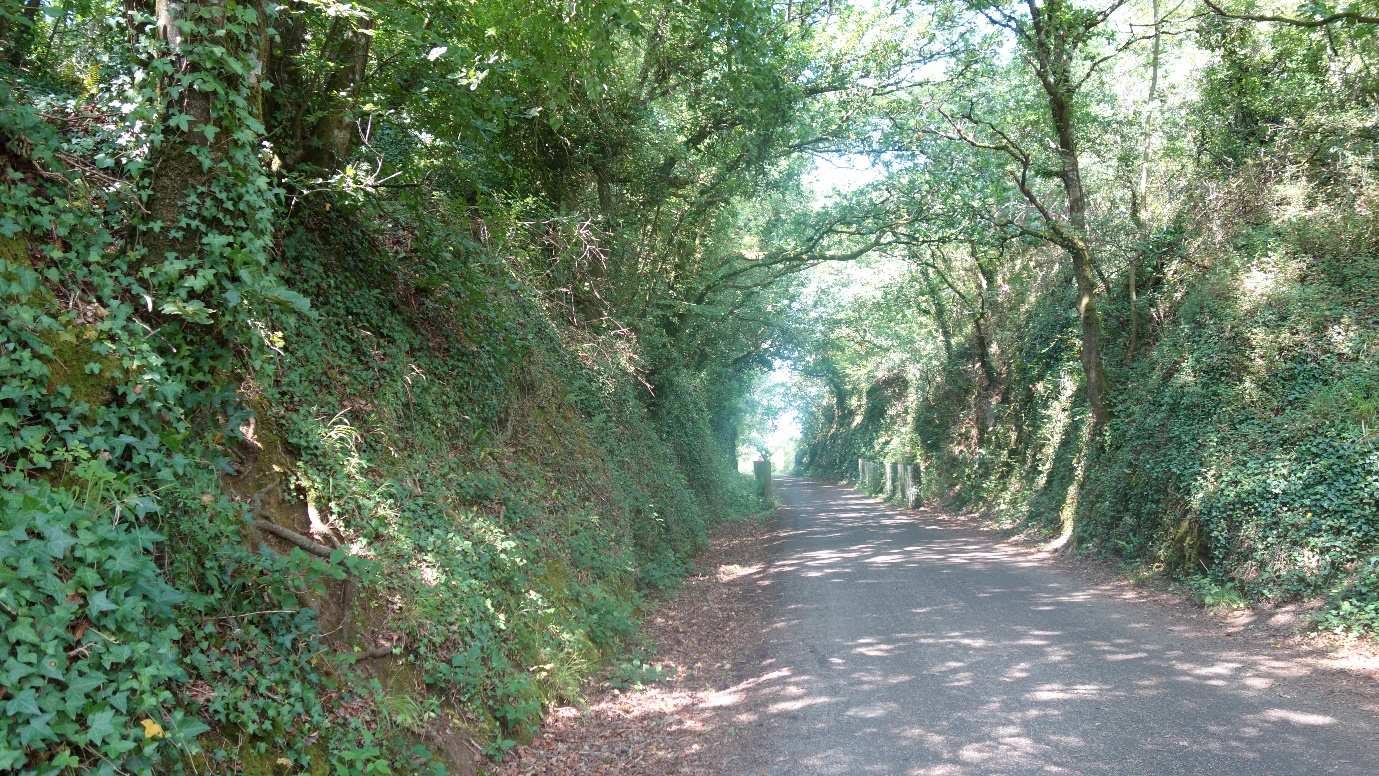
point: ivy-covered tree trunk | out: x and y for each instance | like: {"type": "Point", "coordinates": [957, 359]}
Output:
{"type": "Point", "coordinates": [1081, 253]}
{"type": "Point", "coordinates": [207, 206]}
{"type": "Point", "coordinates": [940, 311]}
{"type": "Point", "coordinates": [182, 160]}
{"type": "Point", "coordinates": [1090, 325]}
{"type": "Point", "coordinates": [310, 119]}
{"type": "Point", "coordinates": [983, 325]}
{"type": "Point", "coordinates": [286, 104]}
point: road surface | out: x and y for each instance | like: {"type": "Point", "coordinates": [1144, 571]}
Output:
{"type": "Point", "coordinates": [905, 642]}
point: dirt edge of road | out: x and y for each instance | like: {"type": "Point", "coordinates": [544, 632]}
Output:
{"type": "Point", "coordinates": [706, 637]}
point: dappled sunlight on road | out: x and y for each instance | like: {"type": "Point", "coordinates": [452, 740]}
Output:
{"type": "Point", "coordinates": [908, 642]}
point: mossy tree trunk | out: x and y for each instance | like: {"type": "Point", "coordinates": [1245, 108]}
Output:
{"type": "Point", "coordinates": [1056, 32]}
{"type": "Point", "coordinates": [333, 136]}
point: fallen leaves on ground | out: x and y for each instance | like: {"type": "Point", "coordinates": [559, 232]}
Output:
{"type": "Point", "coordinates": [708, 636]}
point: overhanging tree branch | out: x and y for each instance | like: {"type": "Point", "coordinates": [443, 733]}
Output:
{"type": "Point", "coordinates": [1352, 17]}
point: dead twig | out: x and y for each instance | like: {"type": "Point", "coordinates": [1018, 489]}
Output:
{"type": "Point", "coordinates": [297, 540]}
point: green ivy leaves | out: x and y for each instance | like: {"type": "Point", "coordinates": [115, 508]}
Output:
{"type": "Point", "coordinates": [87, 628]}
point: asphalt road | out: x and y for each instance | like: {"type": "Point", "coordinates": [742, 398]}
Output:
{"type": "Point", "coordinates": [904, 642]}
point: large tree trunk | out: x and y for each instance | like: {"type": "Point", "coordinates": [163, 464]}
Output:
{"type": "Point", "coordinates": [1070, 173]}
{"type": "Point", "coordinates": [940, 312]}
{"type": "Point", "coordinates": [333, 137]}
{"type": "Point", "coordinates": [989, 384]}
{"type": "Point", "coordinates": [1092, 371]}
{"type": "Point", "coordinates": [1054, 39]}
{"type": "Point", "coordinates": [286, 105]}
{"type": "Point", "coordinates": [1139, 204]}
{"type": "Point", "coordinates": [982, 324]}
{"type": "Point", "coordinates": [177, 169]}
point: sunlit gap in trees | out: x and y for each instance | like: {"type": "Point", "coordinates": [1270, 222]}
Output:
{"type": "Point", "coordinates": [771, 423]}
{"type": "Point", "coordinates": [837, 174]}
{"type": "Point", "coordinates": [834, 176]}
{"type": "Point", "coordinates": [771, 419]}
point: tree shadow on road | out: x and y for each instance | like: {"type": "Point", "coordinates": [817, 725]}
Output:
{"type": "Point", "coordinates": [904, 641]}
{"type": "Point", "coordinates": [852, 637]}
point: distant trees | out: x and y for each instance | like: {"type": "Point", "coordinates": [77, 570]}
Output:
{"type": "Point", "coordinates": [1195, 179]}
